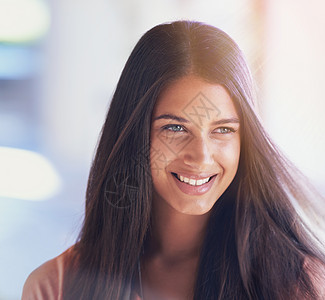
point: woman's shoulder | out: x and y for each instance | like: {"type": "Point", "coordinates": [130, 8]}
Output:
{"type": "Point", "coordinates": [46, 282]}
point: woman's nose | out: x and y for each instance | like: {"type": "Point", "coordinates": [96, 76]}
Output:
{"type": "Point", "coordinates": [198, 154]}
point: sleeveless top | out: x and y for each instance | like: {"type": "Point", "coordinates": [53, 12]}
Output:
{"type": "Point", "coordinates": [46, 282]}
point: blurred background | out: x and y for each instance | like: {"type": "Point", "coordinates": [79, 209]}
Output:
{"type": "Point", "coordinates": [59, 64]}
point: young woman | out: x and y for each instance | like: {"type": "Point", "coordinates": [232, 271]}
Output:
{"type": "Point", "coordinates": [187, 196]}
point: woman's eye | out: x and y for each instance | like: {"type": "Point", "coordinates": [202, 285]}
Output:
{"type": "Point", "coordinates": [225, 130]}
{"type": "Point", "coordinates": [173, 128]}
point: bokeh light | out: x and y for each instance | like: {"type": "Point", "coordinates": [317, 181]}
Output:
{"type": "Point", "coordinates": [26, 175]}
{"type": "Point", "coordinates": [23, 21]}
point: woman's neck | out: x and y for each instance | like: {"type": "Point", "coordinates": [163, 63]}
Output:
{"type": "Point", "coordinates": [175, 236]}
{"type": "Point", "coordinates": [171, 255]}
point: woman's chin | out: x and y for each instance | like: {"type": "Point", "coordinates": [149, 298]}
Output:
{"type": "Point", "coordinates": [194, 209]}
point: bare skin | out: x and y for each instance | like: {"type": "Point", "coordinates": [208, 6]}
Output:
{"type": "Point", "coordinates": [206, 147]}
{"type": "Point", "coordinates": [171, 258]}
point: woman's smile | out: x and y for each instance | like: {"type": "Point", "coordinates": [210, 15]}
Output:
{"type": "Point", "coordinates": [193, 180]}
{"type": "Point", "coordinates": [195, 126]}
{"type": "Point", "coordinates": [191, 186]}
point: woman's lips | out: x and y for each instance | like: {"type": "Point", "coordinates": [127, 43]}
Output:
{"type": "Point", "coordinates": [193, 188]}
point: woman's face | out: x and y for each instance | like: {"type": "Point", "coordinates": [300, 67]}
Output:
{"type": "Point", "coordinates": [195, 145]}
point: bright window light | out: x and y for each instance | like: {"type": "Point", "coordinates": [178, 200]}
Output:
{"type": "Point", "coordinates": [23, 21]}
{"type": "Point", "coordinates": [27, 175]}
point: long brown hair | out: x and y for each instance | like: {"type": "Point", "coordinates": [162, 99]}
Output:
{"type": "Point", "coordinates": [256, 244]}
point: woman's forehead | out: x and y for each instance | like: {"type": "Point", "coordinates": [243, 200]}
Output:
{"type": "Point", "coordinates": [193, 97]}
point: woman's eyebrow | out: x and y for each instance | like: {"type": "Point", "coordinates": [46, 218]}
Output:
{"type": "Point", "coordinates": [180, 119]}
{"type": "Point", "coordinates": [171, 117]}
{"type": "Point", "coordinates": [225, 121]}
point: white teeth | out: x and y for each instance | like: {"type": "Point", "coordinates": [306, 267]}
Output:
{"type": "Point", "coordinates": [199, 182]}
{"type": "Point", "coordinates": [192, 181]}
